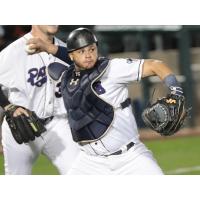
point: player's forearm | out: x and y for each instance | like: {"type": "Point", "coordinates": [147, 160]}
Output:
{"type": "Point", "coordinates": [51, 49]}
{"type": "Point", "coordinates": [37, 45]}
{"type": "Point", "coordinates": [156, 67]}
{"type": "Point", "coordinates": [62, 54]}
{"type": "Point", "coordinates": [58, 51]}
{"type": "Point", "coordinates": [162, 70]}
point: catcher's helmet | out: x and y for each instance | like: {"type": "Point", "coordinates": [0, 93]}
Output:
{"type": "Point", "coordinates": [80, 38]}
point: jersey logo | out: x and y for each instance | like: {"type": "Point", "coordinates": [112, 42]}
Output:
{"type": "Point", "coordinates": [37, 76]}
{"type": "Point", "coordinates": [74, 82]}
{"type": "Point", "coordinates": [129, 60]}
{"type": "Point", "coordinates": [99, 88]}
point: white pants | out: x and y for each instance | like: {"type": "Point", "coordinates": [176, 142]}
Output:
{"type": "Point", "coordinates": [1, 119]}
{"type": "Point", "coordinates": [137, 161]}
{"type": "Point", "coordinates": [56, 143]}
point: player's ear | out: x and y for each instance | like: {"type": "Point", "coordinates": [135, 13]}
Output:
{"type": "Point", "coordinates": [71, 56]}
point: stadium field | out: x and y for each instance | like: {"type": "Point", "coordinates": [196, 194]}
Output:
{"type": "Point", "coordinates": [175, 156]}
{"type": "Point", "coordinates": [42, 167]}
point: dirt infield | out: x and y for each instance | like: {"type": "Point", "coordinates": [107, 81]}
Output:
{"type": "Point", "coordinates": [147, 134]}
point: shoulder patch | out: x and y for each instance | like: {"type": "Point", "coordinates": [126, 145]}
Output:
{"type": "Point", "coordinates": [129, 60]}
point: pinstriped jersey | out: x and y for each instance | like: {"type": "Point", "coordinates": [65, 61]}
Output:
{"type": "Point", "coordinates": [24, 78]}
{"type": "Point", "coordinates": [113, 88]}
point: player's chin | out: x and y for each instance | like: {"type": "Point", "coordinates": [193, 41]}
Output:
{"type": "Point", "coordinates": [89, 66]}
{"type": "Point", "coordinates": [53, 29]}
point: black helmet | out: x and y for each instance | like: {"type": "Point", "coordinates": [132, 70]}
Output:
{"type": "Point", "coordinates": [80, 38]}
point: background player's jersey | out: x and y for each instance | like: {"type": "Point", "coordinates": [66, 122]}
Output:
{"type": "Point", "coordinates": [113, 88]}
{"type": "Point", "coordinates": [25, 79]}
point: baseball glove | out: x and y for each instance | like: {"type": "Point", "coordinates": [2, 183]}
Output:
{"type": "Point", "coordinates": [23, 128]}
{"type": "Point", "coordinates": [166, 115]}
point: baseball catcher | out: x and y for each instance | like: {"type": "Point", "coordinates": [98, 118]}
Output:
{"type": "Point", "coordinates": [24, 128]}
{"type": "Point", "coordinates": [167, 114]}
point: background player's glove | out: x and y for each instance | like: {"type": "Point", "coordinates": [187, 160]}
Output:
{"type": "Point", "coordinates": [23, 128]}
{"type": "Point", "coordinates": [166, 115]}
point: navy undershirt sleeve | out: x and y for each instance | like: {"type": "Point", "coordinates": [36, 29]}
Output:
{"type": "Point", "coordinates": [62, 54]}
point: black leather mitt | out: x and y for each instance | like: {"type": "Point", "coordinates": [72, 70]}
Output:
{"type": "Point", "coordinates": [166, 115]}
{"type": "Point", "coordinates": [23, 128]}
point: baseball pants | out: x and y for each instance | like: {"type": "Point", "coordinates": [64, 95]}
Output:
{"type": "Point", "coordinates": [136, 161]}
{"type": "Point", "coordinates": [56, 143]}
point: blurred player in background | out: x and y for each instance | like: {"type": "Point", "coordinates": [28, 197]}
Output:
{"type": "Point", "coordinates": [1, 119]}
{"type": "Point", "coordinates": [23, 77]}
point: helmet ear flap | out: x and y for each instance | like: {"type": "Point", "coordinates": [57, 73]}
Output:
{"type": "Point", "coordinates": [80, 38]}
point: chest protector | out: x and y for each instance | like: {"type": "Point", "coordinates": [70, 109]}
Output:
{"type": "Point", "coordinates": [89, 116]}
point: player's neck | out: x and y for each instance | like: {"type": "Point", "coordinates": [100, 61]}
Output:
{"type": "Point", "coordinates": [43, 36]}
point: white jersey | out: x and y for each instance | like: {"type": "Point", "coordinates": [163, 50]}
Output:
{"type": "Point", "coordinates": [114, 83]}
{"type": "Point", "coordinates": [25, 76]}
{"type": "Point", "coordinates": [25, 80]}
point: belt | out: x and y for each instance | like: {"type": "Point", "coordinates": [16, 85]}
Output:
{"type": "Point", "coordinates": [122, 150]}
{"type": "Point", "coordinates": [46, 120]}
{"type": "Point", "coordinates": [126, 103]}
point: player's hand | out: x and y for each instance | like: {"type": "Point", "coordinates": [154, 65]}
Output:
{"type": "Point", "coordinates": [38, 45]}
{"type": "Point", "coordinates": [18, 111]}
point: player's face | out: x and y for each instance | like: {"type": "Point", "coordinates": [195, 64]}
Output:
{"type": "Point", "coordinates": [48, 29]}
{"type": "Point", "coordinates": [85, 58]}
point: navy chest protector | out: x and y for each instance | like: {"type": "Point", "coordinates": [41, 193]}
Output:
{"type": "Point", "coordinates": [89, 116]}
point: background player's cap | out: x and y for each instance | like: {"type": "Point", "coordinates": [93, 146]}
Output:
{"type": "Point", "coordinates": [80, 38]}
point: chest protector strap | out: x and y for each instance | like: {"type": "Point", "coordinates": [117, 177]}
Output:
{"type": "Point", "coordinates": [89, 116]}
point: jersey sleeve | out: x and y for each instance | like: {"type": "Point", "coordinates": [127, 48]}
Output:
{"type": "Point", "coordinates": [125, 71]}
{"type": "Point", "coordinates": [7, 69]}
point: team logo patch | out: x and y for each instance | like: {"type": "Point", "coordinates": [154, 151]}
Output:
{"type": "Point", "coordinates": [129, 60]}
{"type": "Point", "coordinates": [99, 88]}
{"type": "Point", "coordinates": [74, 82]}
{"type": "Point", "coordinates": [37, 77]}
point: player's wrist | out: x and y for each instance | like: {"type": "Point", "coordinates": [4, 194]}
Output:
{"type": "Point", "coordinates": [176, 90]}
{"type": "Point", "coordinates": [174, 86]}
{"type": "Point", "coordinates": [52, 49]}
